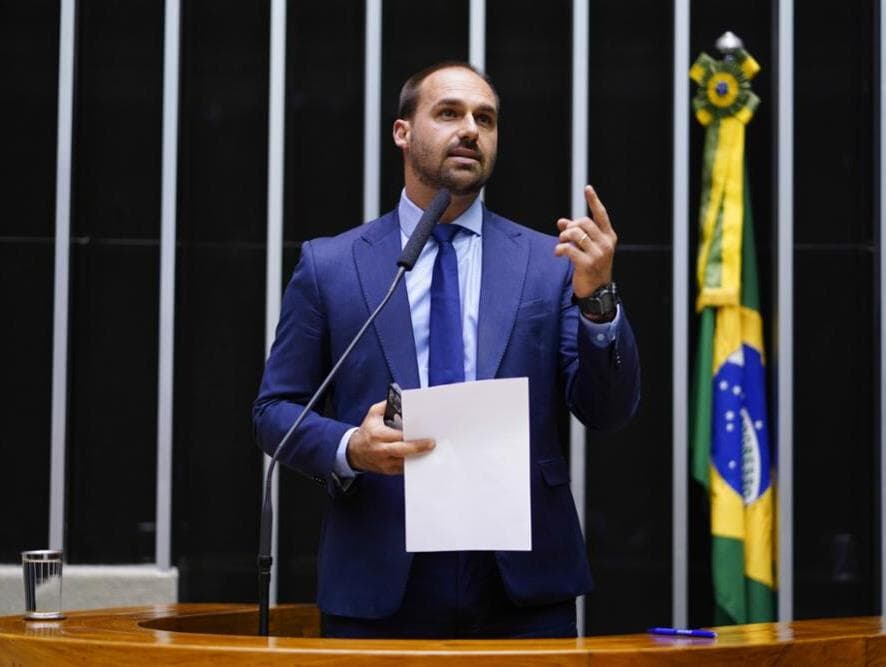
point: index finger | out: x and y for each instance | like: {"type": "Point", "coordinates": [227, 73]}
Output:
{"type": "Point", "coordinates": [598, 211]}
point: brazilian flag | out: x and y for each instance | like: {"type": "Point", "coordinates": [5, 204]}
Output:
{"type": "Point", "coordinates": [731, 455]}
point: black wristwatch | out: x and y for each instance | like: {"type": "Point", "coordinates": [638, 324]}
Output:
{"type": "Point", "coordinates": [602, 303]}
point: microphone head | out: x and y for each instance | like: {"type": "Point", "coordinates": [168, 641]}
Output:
{"type": "Point", "coordinates": [422, 231]}
{"type": "Point", "coordinates": [438, 205]}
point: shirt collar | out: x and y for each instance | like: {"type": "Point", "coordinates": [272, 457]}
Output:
{"type": "Point", "coordinates": [409, 212]}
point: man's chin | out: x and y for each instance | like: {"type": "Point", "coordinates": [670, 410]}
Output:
{"type": "Point", "coordinates": [464, 184]}
{"type": "Point", "coordinates": [458, 182]}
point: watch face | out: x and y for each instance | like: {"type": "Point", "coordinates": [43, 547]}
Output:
{"type": "Point", "coordinates": [602, 302]}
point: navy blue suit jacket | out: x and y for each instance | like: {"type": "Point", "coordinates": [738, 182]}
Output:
{"type": "Point", "coordinates": [527, 328]}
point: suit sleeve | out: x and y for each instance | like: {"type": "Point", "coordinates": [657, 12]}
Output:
{"type": "Point", "coordinates": [297, 364]}
{"type": "Point", "coordinates": [602, 383]}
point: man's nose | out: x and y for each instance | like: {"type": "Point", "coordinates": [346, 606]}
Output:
{"type": "Point", "coordinates": [469, 128]}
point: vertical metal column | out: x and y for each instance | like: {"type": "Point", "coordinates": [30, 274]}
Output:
{"type": "Point", "coordinates": [274, 261]}
{"type": "Point", "coordinates": [680, 315]}
{"type": "Point", "coordinates": [881, 108]}
{"type": "Point", "coordinates": [477, 42]}
{"type": "Point", "coordinates": [372, 111]}
{"type": "Point", "coordinates": [477, 34]}
{"type": "Point", "coordinates": [785, 310]}
{"type": "Point", "coordinates": [169, 175]}
{"type": "Point", "coordinates": [579, 178]}
{"type": "Point", "coordinates": [66, 55]}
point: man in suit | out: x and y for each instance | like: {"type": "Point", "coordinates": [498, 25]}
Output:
{"type": "Point", "coordinates": [526, 305]}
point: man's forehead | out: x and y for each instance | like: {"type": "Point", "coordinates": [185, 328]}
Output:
{"type": "Point", "coordinates": [456, 83]}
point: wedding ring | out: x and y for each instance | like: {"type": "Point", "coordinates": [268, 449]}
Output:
{"type": "Point", "coordinates": [582, 240]}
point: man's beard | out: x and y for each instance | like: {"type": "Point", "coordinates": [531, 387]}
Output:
{"type": "Point", "coordinates": [437, 176]}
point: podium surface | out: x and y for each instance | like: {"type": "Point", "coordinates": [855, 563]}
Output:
{"type": "Point", "coordinates": [224, 634]}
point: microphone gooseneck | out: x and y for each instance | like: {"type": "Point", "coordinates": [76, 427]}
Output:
{"type": "Point", "coordinates": [408, 257]}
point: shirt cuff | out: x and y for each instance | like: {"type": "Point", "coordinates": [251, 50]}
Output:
{"type": "Point", "coordinates": [341, 467]}
{"type": "Point", "coordinates": [602, 333]}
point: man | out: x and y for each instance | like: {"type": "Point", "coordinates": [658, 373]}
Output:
{"type": "Point", "coordinates": [517, 298]}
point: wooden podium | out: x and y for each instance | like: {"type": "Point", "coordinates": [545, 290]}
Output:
{"type": "Point", "coordinates": [224, 634]}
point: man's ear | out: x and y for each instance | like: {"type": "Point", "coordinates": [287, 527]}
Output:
{"type": "Point", "coordinates": [401, 132]}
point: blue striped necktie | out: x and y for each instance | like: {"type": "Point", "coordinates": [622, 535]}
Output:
{"type": "Point", "coordinates": [446, 353]}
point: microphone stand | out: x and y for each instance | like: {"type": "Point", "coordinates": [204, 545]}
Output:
{"type": "Point", "coordinates": [408, 257]}
{"type": "Point", "coordinates": [265, 559]}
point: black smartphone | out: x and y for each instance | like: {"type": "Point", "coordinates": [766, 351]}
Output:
{"type": "Point", "coordinates": [393, 410]}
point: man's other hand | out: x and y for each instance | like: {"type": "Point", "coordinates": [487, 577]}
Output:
{"type": "Point", "coordinates": [375, 447]}
{"type": "Point", "coordinates": [589, 243]}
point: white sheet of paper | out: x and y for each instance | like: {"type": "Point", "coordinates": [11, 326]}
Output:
{"type": "Point", "coordinates": [471, 492]}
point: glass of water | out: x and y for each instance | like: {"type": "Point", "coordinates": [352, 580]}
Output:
{"type": "Point", "coordinates": [42, 570]}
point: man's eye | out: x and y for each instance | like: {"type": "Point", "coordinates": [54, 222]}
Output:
{"type": "Point", "coordinates": [447, 113]}
{"type": "Point", "coordinates": [484, 119]}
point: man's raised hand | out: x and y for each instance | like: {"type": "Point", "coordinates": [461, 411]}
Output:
{"type": "Point", "coordinates": [589, 243]}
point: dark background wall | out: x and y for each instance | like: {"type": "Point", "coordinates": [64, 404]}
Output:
{"type": "Point", "coordinates": [29, 44]}
{"type": "Point", "coordinates": [220, 275]}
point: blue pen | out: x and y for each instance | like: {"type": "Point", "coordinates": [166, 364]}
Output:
{"type": "Point", "coordinates": [683, 632]}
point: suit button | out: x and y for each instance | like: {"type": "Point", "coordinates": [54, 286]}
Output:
{"type": "Point", "coordinates": [615, 356]}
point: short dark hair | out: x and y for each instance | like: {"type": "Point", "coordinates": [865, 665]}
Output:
{"type": "Point", "coordinates": [409, 93]}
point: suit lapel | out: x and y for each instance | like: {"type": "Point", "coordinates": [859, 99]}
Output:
{"type": "Point", "coordinates": [505, 258]}
{"type": "Point", "coordinates": [375, 255]}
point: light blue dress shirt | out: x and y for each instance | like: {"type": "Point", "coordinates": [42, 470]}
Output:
{"type": "Point", "coordinates": [469, 250]}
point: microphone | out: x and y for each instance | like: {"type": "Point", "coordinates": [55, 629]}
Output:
{"type": "Point", "coordinates": [408, 257]}
{"type": "Point", "coordinates": [423, 229]}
